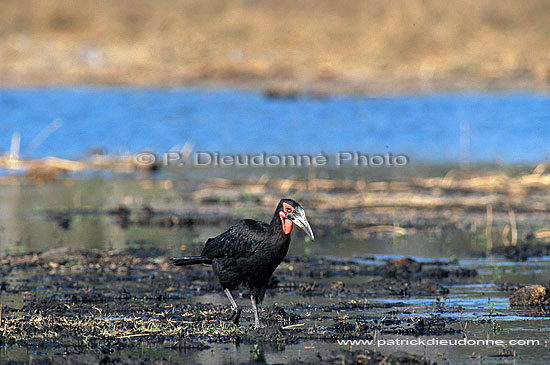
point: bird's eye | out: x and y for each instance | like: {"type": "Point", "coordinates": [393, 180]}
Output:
{"type": "Point", "coordinates": [288, 210]}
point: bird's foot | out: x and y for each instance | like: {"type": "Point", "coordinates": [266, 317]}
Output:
{"type": "Point", "coordinates": [235, 316]}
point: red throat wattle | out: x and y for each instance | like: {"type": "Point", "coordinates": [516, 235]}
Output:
{"type": "Point", "coordinates": [287, 223]}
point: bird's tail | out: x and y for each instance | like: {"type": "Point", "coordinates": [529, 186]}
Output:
{"type": "Point", "coordinates": [191, 260]}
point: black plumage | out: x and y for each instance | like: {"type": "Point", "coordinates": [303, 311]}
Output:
{"type": "Point", "coordinates": [249, 252]}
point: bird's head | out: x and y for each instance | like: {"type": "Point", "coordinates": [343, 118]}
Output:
{"type": "Point", "coordinates": [291, 212]}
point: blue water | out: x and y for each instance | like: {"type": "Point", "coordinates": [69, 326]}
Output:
{"type": "Point", "coordinates": [507, 127]}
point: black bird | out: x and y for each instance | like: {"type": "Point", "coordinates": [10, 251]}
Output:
{"type": "Point", "coordinates": [249, 252]}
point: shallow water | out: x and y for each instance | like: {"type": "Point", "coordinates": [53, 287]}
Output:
{"type": "Point", "coordinates": [478, 127]}
{"type": "Point", "coordinates": [435, 128]}
{"type": "Point", "coordinates": [25, 227]}
{"type": "Point", "coordinates": [478, 299]}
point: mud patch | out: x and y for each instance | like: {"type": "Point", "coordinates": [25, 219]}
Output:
{"type": "Point", "coordinates": [369, 357]}
{"type": "Point", "coordinates": [523, 251]}
{"type": "Point", "coordinates": [91, 305]}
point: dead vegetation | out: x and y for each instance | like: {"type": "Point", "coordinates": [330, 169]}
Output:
{"type": "Point", "coordinates": [108, 301]}
{"type": "Point", "coordinates": [460, 199]}
{"type": "Point", "coordinates": [531, 295]}
{"type": "Point", "coordinates": [284, 46]}
{"type": "Point", "coordinates": [51, 169]}
{"type": "Point", "coordinates": [497, 202]}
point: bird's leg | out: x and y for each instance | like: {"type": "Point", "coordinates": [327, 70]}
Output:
{"type": "Point", "coordinates": [236, 315]}
{"type": "Point", "coordinates": [230, 296]}
{"type": "Point", "coordinates": [255, 308]}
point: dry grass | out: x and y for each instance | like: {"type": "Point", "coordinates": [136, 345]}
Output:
{"type": "Point", "coordinates": [52, 328]}
{"type": "Point", "coordinates": [170, 42]}
{"type": "Point", "coordinates": [457, 188]}
{"type": "Point", "coordinates": [501, 202]}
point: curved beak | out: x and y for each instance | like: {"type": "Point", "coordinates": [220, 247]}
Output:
{"type": "Point", "coordinates": [299, 218]}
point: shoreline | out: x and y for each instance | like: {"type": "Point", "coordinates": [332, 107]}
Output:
{"type": "Point", "coordinates": [322, 48]}
{"type": "Point", "coordinates": [274, 87]}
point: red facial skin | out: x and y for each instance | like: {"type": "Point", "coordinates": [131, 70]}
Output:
{"type": "Point", "coordinates": [287, 223]}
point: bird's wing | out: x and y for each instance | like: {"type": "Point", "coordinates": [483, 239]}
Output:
{"type": "Point", "coordinates": [240, 240]}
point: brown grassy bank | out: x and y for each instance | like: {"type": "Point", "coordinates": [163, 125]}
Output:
{"type": "Point", "coordinates": [349, 46]}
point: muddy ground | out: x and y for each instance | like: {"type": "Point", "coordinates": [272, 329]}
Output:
{"type": "Point", "coordinates": [360, 207]}
{"type": "Point", "coordinates": [86, 305]}
{"type": "Point", "coordinates": [131, 306]}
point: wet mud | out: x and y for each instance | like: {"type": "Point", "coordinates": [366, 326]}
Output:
{"type": "Point", "coordinates": [523, 250]}
{"type": "Point", "coordinates": [531, 295]}
{"type": "Point", "coordinates": [87, 306]}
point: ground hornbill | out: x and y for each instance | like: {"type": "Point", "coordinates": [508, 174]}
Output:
{"type": "Point", "coordinates": [249, 252]}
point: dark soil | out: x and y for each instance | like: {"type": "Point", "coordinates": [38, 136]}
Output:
{"type": "Point", "coordinates": [523, 250]}
{"type": "Point", "coordinates": [86, 305]}
{"type": "Point", "coordinates": [367, 357]}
